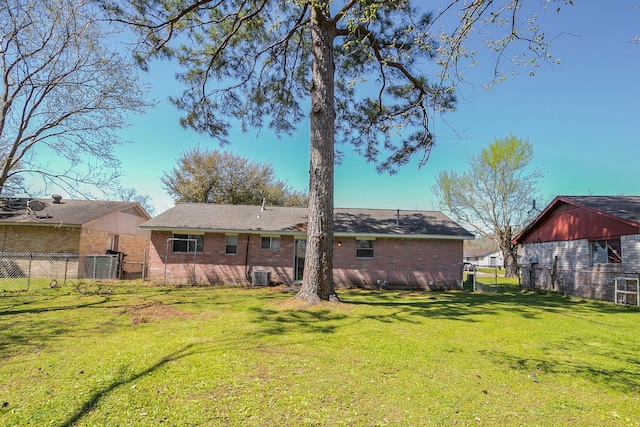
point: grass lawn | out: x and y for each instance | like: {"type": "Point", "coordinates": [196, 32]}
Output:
{"type": "Point", "coordinates": [142, 355]}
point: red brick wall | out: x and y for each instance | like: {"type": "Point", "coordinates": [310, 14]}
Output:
{"type": "Point", "coordinates": [213, 265]}
{"type": "Point", "coordinates": [402, 263]}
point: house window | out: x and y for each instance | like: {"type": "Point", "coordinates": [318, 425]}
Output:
{"type": "Point", "coordinates": [231, 245]}
{"type": "Point", "coordinates": [270, 242]}
{"type": "Point", "coordinates": [364, 248]}
{"type": "Point", "coordinates": [188, 243]}
{"type": "Point", "coordinates": [606, 251]}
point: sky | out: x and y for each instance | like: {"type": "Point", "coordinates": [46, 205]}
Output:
{"type": "Point", "coordinates": [581, 116]}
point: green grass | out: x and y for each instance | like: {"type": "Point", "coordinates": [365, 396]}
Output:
{"type": "Point", "coordinates": [11, 284]}
{"type": "Point", "coordinates": [491, 280]}
{"type": "Point", "coordinates": [145, 356]}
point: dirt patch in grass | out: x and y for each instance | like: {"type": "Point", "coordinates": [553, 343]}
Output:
{"type": "Point", "coordinates": [154, 311]}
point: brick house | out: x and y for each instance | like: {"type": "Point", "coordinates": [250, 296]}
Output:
{"type": "Point", "coordinates": [73, 226]}
{"type": "Point", "coordinates": [579, 245]}
{"type": "Point", "coordinates": [373, 248]}
{"type": "Point", "coordinates": [483, 256]}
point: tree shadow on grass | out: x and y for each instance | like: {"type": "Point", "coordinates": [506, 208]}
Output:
{"type": "Point", "coordinates": [449, 305]}
{"type": "Point", "coordinates": [34, 309]}
{"type": "Point", "coordinates": [621, 373]}
{"type": "Point", "coordinates": [465, 306]}
{"type": "Point", "coordinates": [29, 326]}
{"type": "Point", "coordinates": [94, 399]}
{"type": "Point", "coordinates": [275, 322]}
{"type": "Point", "coordinates": [387, 307]}
{"type": "Point", "coordinates": [416, 307]}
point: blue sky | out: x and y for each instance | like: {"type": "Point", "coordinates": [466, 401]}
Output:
{"type": "Point", "coordinates": [581, 116]}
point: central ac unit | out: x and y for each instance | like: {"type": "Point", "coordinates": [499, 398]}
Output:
{"type": "Point", "coordinates": [260, 278]}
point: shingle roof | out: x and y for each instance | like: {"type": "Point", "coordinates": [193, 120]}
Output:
{"type": "Point", "coordinates": [216, 217]}
{"type": "Point", "coordinates": [478, 252]}
{"type": "Point", "coordinates": [67, 212]}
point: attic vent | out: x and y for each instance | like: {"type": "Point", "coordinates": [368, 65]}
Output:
{"type": "Point", "coordinates": [56, 198]}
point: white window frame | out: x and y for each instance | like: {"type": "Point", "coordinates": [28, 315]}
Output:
{"type": "Point", "coordinates": [371, 248]}
{"type": "Point", "coordinates": [228, 244]}
{"type": "Point", "coordinates": [273, 242]}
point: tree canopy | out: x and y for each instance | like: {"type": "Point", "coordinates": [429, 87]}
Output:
{"type": "Point", "coordinates": [64, 90]}
{"type": "Point", "coordinates": [370, 74]}
{"type": "Point", "coordinates": [212, 176]}
{"type": "Point", "coordinates": [494, 197]}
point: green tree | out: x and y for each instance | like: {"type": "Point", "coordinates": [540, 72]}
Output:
{"type": "Point", "coordinates": [362, 66]}
{"type": "Point", "coordinates": [494, 196]}
{"type": "Point", "coordinates": [64, 89]}
{"type": "Point", "coordinates": [204, 176]}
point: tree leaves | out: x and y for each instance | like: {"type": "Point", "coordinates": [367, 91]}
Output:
{"type": "Point", "coordinates": [211, 176]}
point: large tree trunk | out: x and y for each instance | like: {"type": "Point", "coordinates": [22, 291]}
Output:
{"type": "Point", "coordinates": [317, 280]}
{"type": "Point", "coordinates": [510, 262]}
{"type": "Point", "coordinates": [509, 252]}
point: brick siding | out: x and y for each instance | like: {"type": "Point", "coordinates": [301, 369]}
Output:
{"type": "Point", "coordinates": [402, 263]}
{"type": "Point", "coordinates": [48, 239]}
{"type": "Point", "coordinates": [575, 273]}
{"type": "Point", "coordinates": [28, 238]}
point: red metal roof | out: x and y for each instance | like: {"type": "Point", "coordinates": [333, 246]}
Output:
{"type": "Point", "coordinates": [584, 217]}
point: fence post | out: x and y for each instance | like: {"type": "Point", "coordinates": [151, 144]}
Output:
{"type": "Point", "coordinates": [144, 264]}
{"type": "Point", "coordinates": [66, 268]}
{"type": "Point", "coordinates": [29, 271]}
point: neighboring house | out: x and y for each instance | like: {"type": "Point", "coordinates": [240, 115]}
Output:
{"type": "Point", "coordinates": [373, 248]}
{"type": "Point", "coordinates": [483, 257]}
{"type": "Point", "coordinates": [580, 245]}
{"type": "Point", "coordinates": [74, 227]}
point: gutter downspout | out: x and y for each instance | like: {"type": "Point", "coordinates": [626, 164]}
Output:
{"type": "Point", "coordinates": [246, 262]}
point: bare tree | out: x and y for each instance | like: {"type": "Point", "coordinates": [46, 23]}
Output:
{"type": "Point", "coordinates": [374, 74]}
{"type": "Point", "coordinates": [494, 196]}
{"type": "Point", "coordinates": [64, 90]}
{"type": "Point", "coordinates": [128, 194]}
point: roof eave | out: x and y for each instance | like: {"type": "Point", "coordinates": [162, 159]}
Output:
{"type": "Point", "coordinates": [184, 230]}
{"type": "Point", "coordinates": [42, 224]}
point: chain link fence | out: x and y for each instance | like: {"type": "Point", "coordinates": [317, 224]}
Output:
{"type": "Point", "coordinates": [24, 271]}
{"type": "Point", "coordinates": [490, 279]}
{"type": "Point", "coordinates": [611, 283]}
